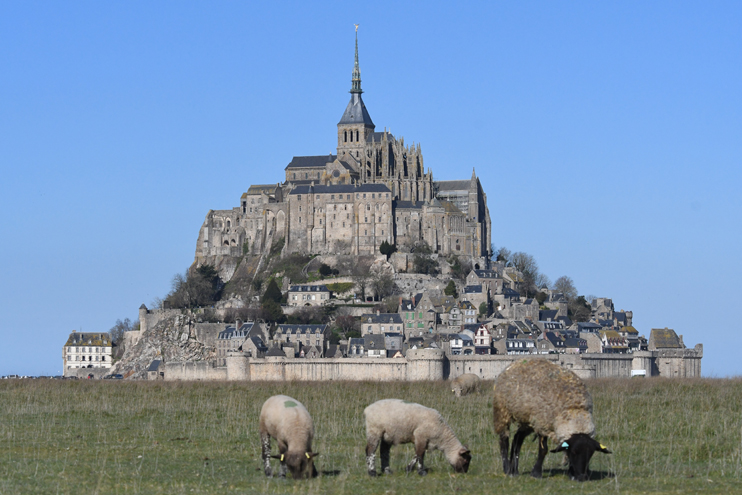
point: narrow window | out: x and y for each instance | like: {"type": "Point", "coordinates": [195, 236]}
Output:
{"type": "Point", "coordinates": [356, 140]}
{"type": "Point", "coordinates": [345, 136]}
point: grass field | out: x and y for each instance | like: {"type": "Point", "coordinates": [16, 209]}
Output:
{"type": "Point", "coordinates": [79, 437]}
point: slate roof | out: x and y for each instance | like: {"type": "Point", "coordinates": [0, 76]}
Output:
{"type": "Point", "coordinates": [473, 289]}
{"type": "Point", "coordinates": [89, 338]}
{"type": "Point", "coordinates": [379, 136]}
{"type": "Point", "coordinates": [310, 161]}
{"type": "Point", "coordinates": [340, 188]}
{"type": "Point", "coordinates": [410, 304]}
{"type": "Point", "coordinates": [232, 333]}
{"type": "Point", "coordinates": [508, 292]}
{"type": "Point", "coordinates": [485, 273]}
{"type": "Point", "coordinates": [665, 338]}
{"type": "Point", "coordinates": [301, 329]}
{"type": "Point", "coordinates": [453, 185]}
{"type": "Point", "coordinates": [547, 314]}
{"type": "Point", "coordinates": [355, 112]}
{"type": "Point", "coordinates": [154, 365]}
{"type": "Point", "coordinates": [275, 351]}
{"type": "Point", "coordinates": [309, 288]}
{"type": "Point", "coordinates": [407, 205]}
{"type": "Point", "coordinates": [261, 189]}
{"type": "Point", "coordinates": [259, 344]}
{"type": "Point", "coordinates": [381, 318]}
{"type": "Point", "coordinates": [374, 342]}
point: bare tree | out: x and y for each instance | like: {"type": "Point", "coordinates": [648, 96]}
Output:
{"type": "Point", "coordinates": [566, 286]}
{"type": "Point", "coordinates": [382, 284]}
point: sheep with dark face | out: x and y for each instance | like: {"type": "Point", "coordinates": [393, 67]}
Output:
{"type": "Point", "coordinates": [289, 422]}
{"type": "Point", "coordinates": [465, 384]}
{"type": "Point", "coordinates": [393, 422]}
{"type": "Point", "coordinates": [551, 401]}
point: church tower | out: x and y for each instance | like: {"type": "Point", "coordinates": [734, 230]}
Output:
{"type": "Point", "coordinates": [355, 126]}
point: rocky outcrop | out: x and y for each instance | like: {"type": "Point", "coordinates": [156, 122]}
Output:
{"type": "Point", "coordinates": [173, 338]}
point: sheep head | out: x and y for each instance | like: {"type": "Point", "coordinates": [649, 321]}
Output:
{"type": "Point", "coordinates": [462, 462]}
{"type": "Point", "coordinates": [299, 464]}
{"type": "Point", "coordinates": [580, 449]}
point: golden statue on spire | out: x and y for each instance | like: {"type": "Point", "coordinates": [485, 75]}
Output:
{"type": "Point", "coordinates": [356, 25]}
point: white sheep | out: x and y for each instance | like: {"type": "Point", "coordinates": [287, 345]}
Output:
{"type": "Point", "coordinates": [393, 422]}
{"type": "Point", "coordinates": [289, 422]}
{"type": "Point", "coordinates": [545, 398]}
{"type": "Point", "coordinates": [465, 384]}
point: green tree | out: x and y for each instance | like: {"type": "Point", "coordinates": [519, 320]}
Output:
{"type": "Point", "coordinates": [387, 249]}
{"type": "Point", "coordinates": [423, 261]}
{"type": "Point", "coordinates": [483, 309]}
{"type": "Point", "coordinates": [450, 289]}
{"type": "Point", "coordinates": [272, 312]}
{"type": "Point", "coordinates": [325, 270]}
{"type": "Point", "coordinates": [272, 292]}
{"type": "Point", "coordinates": [579, 309]}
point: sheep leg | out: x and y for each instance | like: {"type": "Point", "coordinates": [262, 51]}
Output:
{"type": "Point", "coordinates": [504, 447]}
{"type": "Point", "coordinates": [282, 449]}
{"type": "Point", "coordinates": [520, 435]}
{"type": "Point", "coordinates": [542, 450]}
{"type": "Point", "coordinates": [384, 451]}
{"type": "Point", "coordinates": [419, 459]}
{"type": "Point", "coordinates": [265, 442]}
{"type": "Point", "coordinates": [371, 444]}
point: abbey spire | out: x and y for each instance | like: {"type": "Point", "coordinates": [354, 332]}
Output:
{"type": "Point", "coordinates": [355, 126]}
{"type": "Point", "coordinates": [356, 79]}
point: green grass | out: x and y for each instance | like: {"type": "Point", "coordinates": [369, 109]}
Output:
{"type": "Point", "coordinates": [340, 287]}
{"type": "Point", "coordinates": [143, 437]}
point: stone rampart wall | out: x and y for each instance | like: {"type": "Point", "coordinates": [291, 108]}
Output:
{"type": "Point", "coordinates": [432, 364]}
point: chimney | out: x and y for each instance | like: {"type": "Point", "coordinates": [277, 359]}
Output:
{"type": "Point", "coordinates": [237, 324]}
{"type": "Point", "coordinates": [378, 312]}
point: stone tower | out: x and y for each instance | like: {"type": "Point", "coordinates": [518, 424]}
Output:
{"type": "Point", "coordinates": [356, 125]}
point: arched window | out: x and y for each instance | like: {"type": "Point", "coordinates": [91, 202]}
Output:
{"type": "Point", "coordinates": [351, 136]}
{"type": "Point", "coordinates": [356, 137]}
{"type": "Point", "coordinates": [345, 136]}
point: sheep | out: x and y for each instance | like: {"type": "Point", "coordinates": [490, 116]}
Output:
{"type": "Point", "coordinates": [289, 422]}
{"type": "Point", "coordinates": [393, 422]}
{"type": "Point", "coordinates": [465, 384]}
{"type": "Point", "coordinates": [545, 398]}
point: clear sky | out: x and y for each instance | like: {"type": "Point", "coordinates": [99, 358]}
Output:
{"type": "Point", "coordinates": [607, 136]}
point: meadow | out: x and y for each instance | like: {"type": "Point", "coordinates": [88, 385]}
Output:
{"type": "Point", "coordinates": [65, 437]}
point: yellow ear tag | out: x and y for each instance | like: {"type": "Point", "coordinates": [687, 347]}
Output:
{"type": "Point", "coordinates": [602, 446]}
{"type": "Point", "coordinates": [281, 457]}
{"type": "Point", "coordinates": [307, 454]}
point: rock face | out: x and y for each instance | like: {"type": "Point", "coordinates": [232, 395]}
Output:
{"type": "Point", "coordinates": [173, 338]}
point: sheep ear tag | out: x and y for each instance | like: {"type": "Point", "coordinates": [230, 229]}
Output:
{"type": "Point", "coordinates": [307, 454]}
{"type": "Point", "coordinates": [281, 457]}
{"type": "Point", "coordinates": [604, 449]}
{"type": "Point", "coordinates": [565, 445]}
{"type": "Point", "coordinates": [289, 403]}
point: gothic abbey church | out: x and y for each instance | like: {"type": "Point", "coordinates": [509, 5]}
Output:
{"type": "Point", "coordinates": [375, 189]}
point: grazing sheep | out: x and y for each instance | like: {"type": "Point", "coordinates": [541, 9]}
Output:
{"type": "Point", "coordinates": [289, 422]}
{"type": "Point", "coordinates": [393, 422]}
{"type": "Point", "coordinates": [545, 398]}
{"type": "Point", "coordinates": [465, 384]}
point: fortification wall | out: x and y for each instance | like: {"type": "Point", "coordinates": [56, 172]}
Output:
{"type": "Point", "coordinates": [432, 364]}
{"type": "Point", "coordinates": [193, 371]}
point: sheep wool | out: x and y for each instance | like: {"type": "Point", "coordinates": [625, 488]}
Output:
{"type": "Point", "coordinates": [465, 384]}
{"type": "Point", "coordinates": [551, 399]}
{"type": "Point", "coordinates": [288, 421]}
{"type": "Point", "coordinates": [394, 421]}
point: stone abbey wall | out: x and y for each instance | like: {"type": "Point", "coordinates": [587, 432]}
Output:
{"type": "Point", "coordinates": [432, 364]}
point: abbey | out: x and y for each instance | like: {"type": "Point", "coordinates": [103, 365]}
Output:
{"type": "Point", "coordinates": [374, 189]}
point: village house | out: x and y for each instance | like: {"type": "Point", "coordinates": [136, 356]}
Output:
{"type": "Point", "coordinates": [308, 295]}
{"type": "Point", "coordinates": [87, 350]}
{"type": "Point", "coordinates": [381, 323]}
{"type": "Point", "coordinates": [482, 341]}
{"type": "Point", "coordinates": [306, 335]}
{"type": "Point", "coordinates": [233, 337]}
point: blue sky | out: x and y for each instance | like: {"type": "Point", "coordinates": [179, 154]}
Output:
{"type": "Point", "coordinates": [607, 136]}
